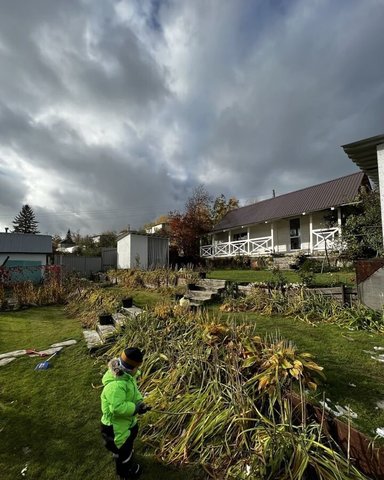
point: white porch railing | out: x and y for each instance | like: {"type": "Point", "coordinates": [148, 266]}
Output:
{"type": "Point", "coordinates": [325, 238]}
{"type": "Point", "coordinates": [252, 247]}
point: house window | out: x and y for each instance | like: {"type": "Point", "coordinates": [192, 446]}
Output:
{"type": "Point", "coordinates": [294, 233]}
{"type": "Point", "coordinates": [239, 236]}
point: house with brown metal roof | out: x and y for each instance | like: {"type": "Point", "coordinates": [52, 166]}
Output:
{"type": "Point", "coordinates": [307, 220]}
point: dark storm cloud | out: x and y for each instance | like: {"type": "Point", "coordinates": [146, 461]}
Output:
{"type": "Point", "coordinates": [111, 112]}
{"type": "Point", "coordinates": [308, 85]}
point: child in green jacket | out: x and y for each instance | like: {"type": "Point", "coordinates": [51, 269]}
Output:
{"type": "Point", "coordinates": [121, 401]}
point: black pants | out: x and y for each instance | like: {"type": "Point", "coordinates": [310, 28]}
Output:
{"type": "Point", "coordinates": [125, 466]}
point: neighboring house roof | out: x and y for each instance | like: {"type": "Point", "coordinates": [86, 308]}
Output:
{"type": "Point", "coordinates": [157, 227]}
{"type": "Point", "coordinates": [25, 243]}
{"type": "Point", "coordinates": [311, 199]}
{"type": "Point", "coordinates": [67, 243]}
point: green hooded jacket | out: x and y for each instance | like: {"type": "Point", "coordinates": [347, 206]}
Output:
{"type": "Point", "coordinates": [118, 403]}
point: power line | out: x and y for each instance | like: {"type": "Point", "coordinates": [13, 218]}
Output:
{"type": "Point", "coordinates": [119, 212]}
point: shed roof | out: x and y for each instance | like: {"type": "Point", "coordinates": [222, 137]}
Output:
{"type": "Point", "coordinates": [25, 243]}
{"type": "Point", "coordinates": [311, 199]}
{"type": "Point", "coordinates": [364, 154]}
{"type": "Point", "coordinates": [138, 234]}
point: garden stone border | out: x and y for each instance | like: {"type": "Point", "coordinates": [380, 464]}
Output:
{"type": "Point", "coordinates": [8, 357]}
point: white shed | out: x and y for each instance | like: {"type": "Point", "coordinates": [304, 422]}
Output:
{"type": "Point", "coordinates": [136, 250]}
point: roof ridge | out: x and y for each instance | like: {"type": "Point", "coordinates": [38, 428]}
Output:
{"type": "Point", "coordinates": [302, 189]}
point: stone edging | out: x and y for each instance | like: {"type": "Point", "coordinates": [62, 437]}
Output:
{"type": "Point", "coordinates": [8, 357]}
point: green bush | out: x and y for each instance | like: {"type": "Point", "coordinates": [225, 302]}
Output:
{"type": "Point", "coordinates": [306, 276]}
{"type": "Point", "coordinates": [239, 262]}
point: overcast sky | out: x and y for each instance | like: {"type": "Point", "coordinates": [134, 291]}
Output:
{"type": "Point", "coordinates": [111, 112]}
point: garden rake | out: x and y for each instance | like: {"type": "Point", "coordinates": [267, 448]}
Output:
{"type": "Point", "coordinates": [45, 365]}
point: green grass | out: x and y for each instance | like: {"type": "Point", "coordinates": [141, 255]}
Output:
{"type": "Point", "coordinates": [341, 353]}
{"type": "Point", "coordinates": [49, 420]}
{"type": "Point", "coordinates": [35, 328]}
{"type": "Point", "coordinates": [320, 279]}
{"type": "Point", "coordinates": [141, 297]}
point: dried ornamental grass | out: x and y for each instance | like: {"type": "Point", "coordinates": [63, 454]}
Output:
{"type": "Point", "coordinates": [87, 302]}
{"type": "Point", "coordinates": [306, 306]}
{"type": "Point", "coordinates": [219, 386]}
{"type": "Point", "coordinates": [156, 278]}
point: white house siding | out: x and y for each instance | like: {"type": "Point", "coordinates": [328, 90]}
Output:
{"type": "Point", "coordinates": [281, 236]}
{"type": "Point", "coordinates": [221, 237]}
{"type": "Point", "coordinates": [304, 232]}
{"type": "Point", "coordinates": [261, 230]}
{"type": "Point", "coordinates": [318, 219]}
{"type": "Point", "coordinates": [282, 241]}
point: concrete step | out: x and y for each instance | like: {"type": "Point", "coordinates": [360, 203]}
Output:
{"type": "Point", "coordinates": [92, 339]}
{"type": "Point", "coordinates": [132, 311]}
{"type": "Point", "coordinates": [211, 284]}
{"type": "Point", "coordinates": [119, 319]}
{"type": "Point", "coordinates": [96, 338]}
{"type": "Point", "coordinates": [106, 331]}
{"type": "Point", "coordinates": [201, 295]}
{"type": "Point", "coordinates": [206, 290]}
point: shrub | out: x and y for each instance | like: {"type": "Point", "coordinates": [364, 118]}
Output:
{"type": "Point", "coordinates": [237, 262]}
{"type": "Point", "coordinates": [278, 279]}
{"type": "Point", "coordinates": [306, 276]}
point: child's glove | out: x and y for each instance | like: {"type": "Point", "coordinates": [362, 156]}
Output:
{"type": "Point", "coordinates": [142, 407]}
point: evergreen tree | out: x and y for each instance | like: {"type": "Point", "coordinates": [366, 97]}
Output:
{"type": "Point", "coordinates": [68, 239]}
{"type": "Point", "coordinates": [25, 221]}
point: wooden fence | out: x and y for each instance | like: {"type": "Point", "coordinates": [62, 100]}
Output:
{"type": "Point", "coordinates": [344, 295]}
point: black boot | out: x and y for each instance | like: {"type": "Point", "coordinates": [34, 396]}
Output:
{"type": "Point", "coordinates": [134, 472]}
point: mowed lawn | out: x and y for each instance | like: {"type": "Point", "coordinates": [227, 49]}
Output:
{"type": "Point", "coordinates": [49, 420]}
